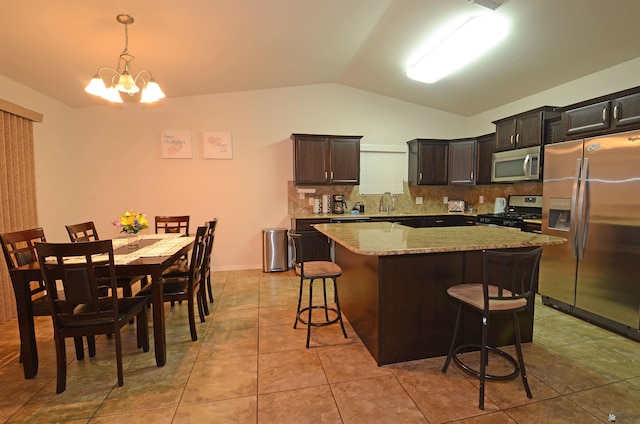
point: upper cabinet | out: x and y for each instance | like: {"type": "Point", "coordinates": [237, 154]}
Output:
{"type": "Point", "coordinates": [486, 146]}
{"type": "Point", "coordinates": [326, 159]}
{"type": "Point", "coordinates": [428, 160]}
{"type": "Point", "coordinates": [615, 112]}
{"type": "Point", "coordinates": [462, 161]}
{"type": "Point", "coordinates": [523, 130]}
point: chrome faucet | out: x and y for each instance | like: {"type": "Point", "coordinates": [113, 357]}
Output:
{"type": "Point", "coordinates": [386, 207]}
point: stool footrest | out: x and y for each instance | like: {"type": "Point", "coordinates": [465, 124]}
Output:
{"type": "Point", "coordinates": [318, 323]}
{"type": "Point", "coordinates": [474, 347]}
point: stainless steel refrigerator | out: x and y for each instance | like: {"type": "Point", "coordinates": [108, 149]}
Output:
{"type": "Point", "coordinates": [591, 196]}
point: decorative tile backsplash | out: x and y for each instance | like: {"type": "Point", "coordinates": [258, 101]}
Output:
{"type": "Point", "coordinates": [433, 197]}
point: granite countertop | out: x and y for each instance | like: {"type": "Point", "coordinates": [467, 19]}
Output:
{"type": "Point", "coordinates": [385, 238]}
{"type": "Point", "coordinates": [376, 215]}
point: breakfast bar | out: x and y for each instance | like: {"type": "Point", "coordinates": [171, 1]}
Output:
{"type": "Point", "coordinates": [394, 284]}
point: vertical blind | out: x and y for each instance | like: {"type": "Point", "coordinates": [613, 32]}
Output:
{"type": "Point", "coordinates": [17, 187]}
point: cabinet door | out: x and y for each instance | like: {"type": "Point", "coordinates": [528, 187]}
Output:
{"type": "Point", "coordinates": [485, 148]}
{"type": "Point", "coordinates": [587, 119]}
{"type": "Point", "coordinates": [505, 135]}
{"type": "Point", "coordinates": [529, 130]}
{"type": "Point", "coordinates": [345, 161]}
{"type": "Point", "coordinates": [626, 111]}
{"type": "Point", "coordinates": [311, 161]}
{"type": "Point", "coordinates": [432, 162]}
{"type": "Point", "coordinates": [462, 162]}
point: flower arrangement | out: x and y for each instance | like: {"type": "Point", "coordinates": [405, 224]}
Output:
{"type": "Point", "coordinates": [131, 222]}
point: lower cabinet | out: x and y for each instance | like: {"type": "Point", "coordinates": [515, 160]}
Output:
{"type": "Point", "coordinates": [319, 247]}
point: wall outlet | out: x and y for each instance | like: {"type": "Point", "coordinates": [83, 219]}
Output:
{"type": "Point", "coordinates": [311, 199]}
{"type": "Point", "coordinates": [445, 200]}
{"type": "Point", "coordinates": [418, 200]}
{"type": "Point", "coordinates": [481, 199]}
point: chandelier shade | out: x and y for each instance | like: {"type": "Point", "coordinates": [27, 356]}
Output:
{"type": "Point", "coordinates": [121, 79]}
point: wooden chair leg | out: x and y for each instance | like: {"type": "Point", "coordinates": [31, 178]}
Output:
{"type": "Point", "coordinates": [61, 365]}
{"type": "Point", "coordinates": [209, 289]}
{"type": "Point", "coordinates": [119, 358]}
{"type": "Point", "coordinates": [310, 308]}
{"type": "Point", "coordinates": [192, 319]}
{"type": "Point", "coordinates": [295, 324]}
{"type": "Point", "coordinates": [77, 341]}
{"type": "Point", "coordinates": [91, 344]}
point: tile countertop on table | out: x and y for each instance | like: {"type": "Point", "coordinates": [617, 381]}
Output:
{"type": "Point", "coordinates": [385, 238]}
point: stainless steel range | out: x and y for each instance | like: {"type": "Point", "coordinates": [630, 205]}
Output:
{"type": "Point", "coordinates": [519, 208]}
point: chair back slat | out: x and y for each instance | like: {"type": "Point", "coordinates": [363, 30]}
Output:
{"type": "Point", "coordinates": [85, 231]}
{"type": "Point", "coordinates": [172, 224]}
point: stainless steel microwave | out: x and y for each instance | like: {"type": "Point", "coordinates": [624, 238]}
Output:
{"type": "Point", "coordinates": [516, 165]}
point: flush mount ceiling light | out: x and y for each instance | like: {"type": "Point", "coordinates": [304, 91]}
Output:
{"type": "Point", "coordinates": [470, 40]}
{"type": "Point", "coordinates": [121, 79]}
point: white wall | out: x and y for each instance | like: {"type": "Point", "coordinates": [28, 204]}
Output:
{"type": "Point", "coordinates": [94, 163]}
{"type": "Point", "coordinates": [108, 159]}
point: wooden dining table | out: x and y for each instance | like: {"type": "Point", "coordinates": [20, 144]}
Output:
{"type": "Point", "coordinates": [153, 254]}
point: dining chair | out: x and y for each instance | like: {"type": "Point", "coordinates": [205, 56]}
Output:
{"type": "Point", "coordinates": [188, 287]}
{"type": "Point", "coordinates": [86, 231]}
{"type": "Point", "coordinates": [174, 224]}
{"type": "Point", "coordinates": [81, 268]}
{"type": "Point", "coordinates": [312, 270]}
{"type": "Point", "coordinates": [206, 262]}
{"type": "Point", "coordinates": [19, 249]}
{"type": "Point", "coordinates": [509, 280]}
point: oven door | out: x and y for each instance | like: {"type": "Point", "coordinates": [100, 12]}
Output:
{"type": "Point", "coordinates": [516, 165]}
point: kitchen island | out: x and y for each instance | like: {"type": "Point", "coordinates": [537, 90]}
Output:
{"type": "Point", "coordinates": [395, 278]}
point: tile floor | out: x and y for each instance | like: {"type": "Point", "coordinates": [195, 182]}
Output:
{"type": "Point", "coordinates": [250, 366]}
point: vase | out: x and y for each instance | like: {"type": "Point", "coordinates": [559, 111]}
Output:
{"type": "Point", "coordinates": [133, 241]}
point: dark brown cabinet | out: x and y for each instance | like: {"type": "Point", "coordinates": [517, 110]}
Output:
{"type": "Point", "coordinates": [462, 162]}
{"type": "Point", "coordinates": [485, 148]}
{"type": "Point", "coordinates": [428, 162]}
{"type": "Point", "coordinates": [523, 130]}
{"type": "Point", "coordinates": [326, 159]}
{"type": "Point", "coordinates": [319, 246]}
{"type": "Point", "coordinates": [618, 111]}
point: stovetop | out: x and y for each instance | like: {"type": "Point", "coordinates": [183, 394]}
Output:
{"type": "Point", "coordinates": [519, 209]}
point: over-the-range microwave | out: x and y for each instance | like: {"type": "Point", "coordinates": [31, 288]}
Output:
{"type": "Point", "coordinates": [516, 165]}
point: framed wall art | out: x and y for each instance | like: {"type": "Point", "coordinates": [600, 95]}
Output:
{"type": "Point", "coordinates": [176, 144]}
{"type": "Point", "coordinates": [217, 145]}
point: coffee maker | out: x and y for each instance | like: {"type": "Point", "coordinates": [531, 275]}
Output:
{"type": "Point", "coordinates": [338, 203]}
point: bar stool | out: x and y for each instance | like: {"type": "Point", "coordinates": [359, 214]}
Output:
{"type": "Point", "coordinates": [508, 287]}
{"type": "Point", "coordinates": [314, 270]}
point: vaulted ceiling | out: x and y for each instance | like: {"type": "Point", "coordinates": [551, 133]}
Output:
{"type": "Point", "coordinates": [196, 47]}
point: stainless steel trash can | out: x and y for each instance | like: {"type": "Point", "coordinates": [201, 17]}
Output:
{"type": "Point", "coordinates": [274, 249]}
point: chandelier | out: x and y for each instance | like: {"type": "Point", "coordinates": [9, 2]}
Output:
{"type": "Point", "coordinates": [122, 80]}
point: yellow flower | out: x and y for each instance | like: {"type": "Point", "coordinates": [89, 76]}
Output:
{"type": "Point", "coordinates": [132, 222]}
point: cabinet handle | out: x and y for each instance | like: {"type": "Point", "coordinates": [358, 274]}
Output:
{"type": "Point", "coordinates": [471, 176]}
{"type": "Point", "coordinates": [511, 139]}
{"type": "Point", "coordinates": [420, 179]}
{"type": "Point", "coordinates": [332, 175]}
{"type": "Point", "coordinates": [604, 115]}
{"type": "Point", "coordinates": [615, 112]}
{"type": "Point", "coordinates": [326, 175]}
{"type": "Point", "coordinates": [517, 138]}
{"type": "Point", "coordinates": [439, 221]}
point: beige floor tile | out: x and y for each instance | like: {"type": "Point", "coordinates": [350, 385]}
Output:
{"type": "Point", "coordinates": [156, 416]}
{"type": "Point", "coordinates": [229, 343]}
{"type": "Point", "coordinates": [621, 399]}
{"type": "Point", "coordinates": [311, 405]}
{"type": "Point", "coordinates": [552, 411]}
{"type": "Point", "coordinates": [375, 400]}
{"type": "Point", "coordinates": [229, 411]}
{"type": "Point", "coordinates": [234, 319]}
{"type": "Point", "coordinates": [349, 362]}
{"type": "Point", "coordinates": [222, 378]}
{"type": "Point", "coordinates": [276, 338]}
{"type": "Point", "coordinates": [288, 370]}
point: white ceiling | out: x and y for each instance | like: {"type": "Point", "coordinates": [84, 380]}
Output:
{"type": "Point", "coordinates": [196, 47]}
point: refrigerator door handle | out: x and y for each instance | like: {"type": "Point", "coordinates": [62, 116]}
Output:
{"type": "Point", "coordinates": [573, 227]}
{"type": "Point", "coordinates": [581, 235]}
